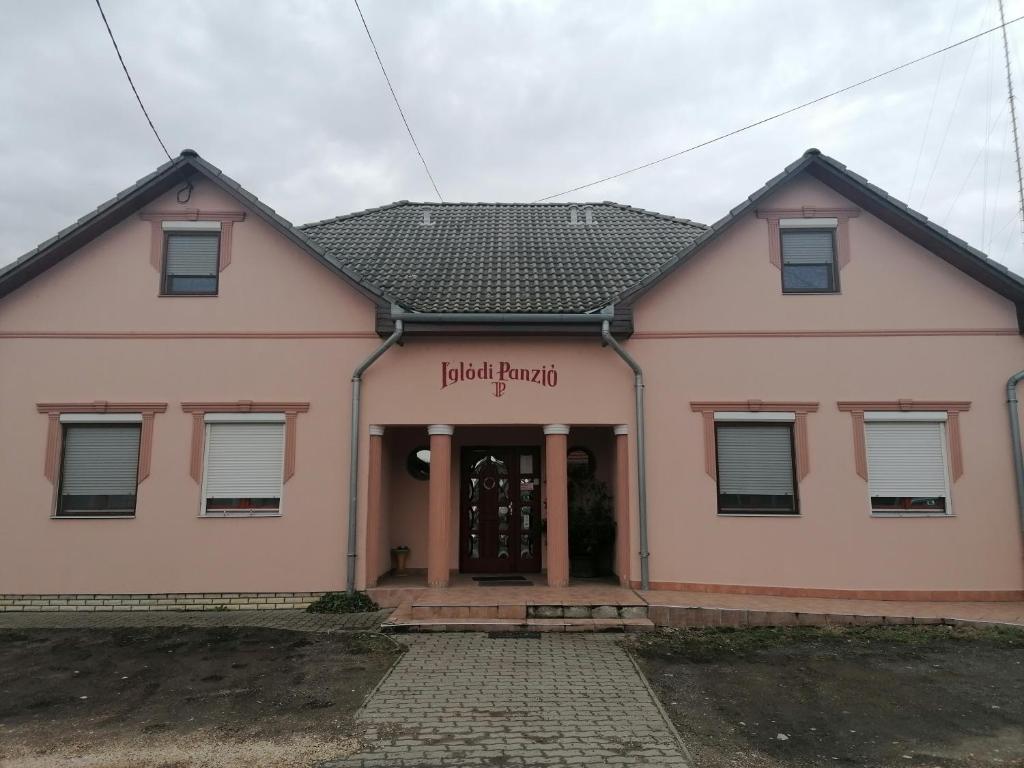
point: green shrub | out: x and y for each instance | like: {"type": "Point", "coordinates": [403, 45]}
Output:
{"type": "Point", "coordinates": [343, 602]}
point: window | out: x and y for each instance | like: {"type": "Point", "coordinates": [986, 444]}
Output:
{"type": "Point", "coordinates": [581, 462]}
{"type": "Point", "coordinates": [191, 262]}
{"type": "Point", "coordinates": [907, 463]}
{"type": "Point", "coordinates": [418, 463]}
{"type": "Point", "coordinates": [244, 465]}
{"type": "Point", "coordinates": [809, 260]}
{"type": "Point", "coordinates": [99, 467]}
{"type": "Point", "coordinates": [755, 468]}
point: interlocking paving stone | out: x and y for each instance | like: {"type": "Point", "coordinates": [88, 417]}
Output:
{"type": "Point", "coordinates": [297, 620]}
{"type": "Point", "coordinates": [557, 700]}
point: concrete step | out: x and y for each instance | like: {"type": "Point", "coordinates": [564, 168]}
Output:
{"type": "Point", "coordinates": [440, 610]}
{"type": "Point", "coordinates": [406, 623]}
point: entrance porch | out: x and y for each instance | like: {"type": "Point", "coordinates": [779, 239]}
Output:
{"type": "Point", "coordinates": [446, 502]}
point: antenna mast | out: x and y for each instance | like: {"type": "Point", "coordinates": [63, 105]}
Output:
{"type": "Point", "coordinates": [1013, 119]}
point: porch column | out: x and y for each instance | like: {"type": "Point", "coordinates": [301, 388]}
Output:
{"type": "Point", "coordinates": [621, 487]}
{"type": "Point", "coordinates": [374, 523]}
{"type": "Point", "coordinates": [440, 493]}
{"type": "Point", "coordinates": [556, 438]}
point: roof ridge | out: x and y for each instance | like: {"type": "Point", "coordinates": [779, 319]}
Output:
{"type": "Point", "coordinates": [355, 214]}
{"type": "Point", "coordinates": [655, 214]}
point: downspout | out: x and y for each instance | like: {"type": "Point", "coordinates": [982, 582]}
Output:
{"type": "Point", "coordinates": [641, 465]}
{"type": "Point", "coordinates": [1018, 458]}
{"type": "Point", "coordinates": [353, 462]}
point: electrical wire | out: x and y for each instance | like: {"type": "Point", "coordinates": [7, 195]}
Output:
{"type": "Point", "coordinates": [931, 108]}
{"type": "Point", "coordinates": [397, 103]}
{"type": "Point", "coordinates": [131, 82]}
{"type": "Point", "coordinates": [783, 113]}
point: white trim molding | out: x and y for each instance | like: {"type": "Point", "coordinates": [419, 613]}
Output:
{"type": "Point", "coordinates": [100, 418]}
{"type": "Point", "coordinates": [808, 223]}
{"type": "Point", "coordinates": [441, 429]}
{"type": "Point", "coordinates": [190, 226]}
{"type": "Point", "coordinates": [754, 416]}
{"type": "Point", "coordinates": [376, 430]}
{"type": "Point", "coordinates": [621, 429]}
{"type": "Point", "coordinates": [234, 418]}
{"type": "Point", "coordinates": [905, 416]}
{"type": "Point", "coordinates": [556, 429]}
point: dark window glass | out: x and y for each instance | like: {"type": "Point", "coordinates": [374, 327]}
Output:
{"type": "Point", "coordinates": [908, 504]}
{"type": "Point", "coordinates": [418, 463]}
{"type": "Point", "coordinates": [215, 505]}
{"type": "Point", "coordinates": [809, 261]}
{"type": "Point", "coordinates": [99, 470]}
{"type": "Point", "coordinates": [761, 504]}
{"type": "Point", "coordinates": [580, 462]}
{"type": "Point", "coordinates": [191, 263]}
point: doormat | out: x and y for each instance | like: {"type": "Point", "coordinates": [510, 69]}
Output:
{"type": "Point", "coordinates": [506, 583]}
{"type": "Point", "coordinates": [513, 635]}
{"type": "Point", "coordinates": [502, 577]}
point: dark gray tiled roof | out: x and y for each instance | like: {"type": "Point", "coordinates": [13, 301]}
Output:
{"type": "Point", "coordinates": [502, 257]}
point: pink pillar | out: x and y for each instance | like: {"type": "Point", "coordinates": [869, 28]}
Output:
{"type": "Point", "coordinates": [373, 506]}
{"type": "Point", "coordinates": [622, 528]}
{"type": "Point", "coordinates": [556, 438]}
{"type": "Point", "coordinates": [440, 493]}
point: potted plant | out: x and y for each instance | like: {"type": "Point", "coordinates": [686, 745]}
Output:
{"type": "Point", "coordinates": [399, 556]}
{"type": "Point", "coordinates": [591, 528]}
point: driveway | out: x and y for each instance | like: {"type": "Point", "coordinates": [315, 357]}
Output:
{"type": "Point", "coordinates": [549, 700]}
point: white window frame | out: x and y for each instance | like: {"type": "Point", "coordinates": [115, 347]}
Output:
{"type": "Point", "coordinates": [240, 418]}
{"type": "Point", "coordinates": [930, 417]}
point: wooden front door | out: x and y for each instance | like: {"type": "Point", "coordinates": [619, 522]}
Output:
{"type": "Point", "coordinates": [499, 528]}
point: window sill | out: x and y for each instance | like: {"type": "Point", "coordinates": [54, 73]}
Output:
{"type": "Point", "coordinates": [92, 517]}
{"type": "Point", "coordinates": [238, 514]}
{"type": "Point", "coordinates": [912, 514]}
{"type": "Point", "coordinates": [759, 514]}
{"type": "Point", "coordinates": [187, 295]}
{"type": "Point", "coordinates": [812, 293]}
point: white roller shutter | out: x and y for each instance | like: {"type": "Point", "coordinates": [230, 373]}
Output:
{"type": "Point", "coordinates": [755, 459]}
{"type": "Point", "coordinates": [800, 247]}
{"type": "Point", "coordinates": [906, 458]}
{"type": "Point", "coordinates": [244, 460]}
{"type": "Point", "coordinates": [100, 460]}
{"type": "Point", "coordinates": [193, 254]}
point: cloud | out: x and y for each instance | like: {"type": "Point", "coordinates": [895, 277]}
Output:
{"type": "Point", "coordinates": [508, 100]}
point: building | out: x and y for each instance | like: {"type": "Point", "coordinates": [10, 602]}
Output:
{"type": "Point", "coordinates": [202, 404]}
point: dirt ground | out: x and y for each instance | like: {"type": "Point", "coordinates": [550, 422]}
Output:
{"type": "Point", "coordinates": [937, 696]}
{"type": "Point", "coordinates": [183, 697]}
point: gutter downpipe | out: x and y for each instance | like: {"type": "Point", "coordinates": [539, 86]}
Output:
{"type": "Point", "coordinates": [353, 464]}
{"type": "Point", "coordinates": [1018, 458]}
{"type": "Point", "coordinates": [641, 450]}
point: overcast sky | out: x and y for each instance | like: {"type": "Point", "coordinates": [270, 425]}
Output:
{"type": "Point", "coordinates": [510, 101]}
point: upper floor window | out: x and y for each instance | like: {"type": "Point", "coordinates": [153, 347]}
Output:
{"type": "Point", "coordinates": [99, 466]}
{"type": "Point", "coordinates": [191, 259]}
{"type": "Point", "coordinates": [809, 256]}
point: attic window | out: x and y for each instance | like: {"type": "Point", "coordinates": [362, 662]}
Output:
{"type": "Point", "coordinates": [426, 218]}
{"type": "Point", "coordinates": [191, 259]}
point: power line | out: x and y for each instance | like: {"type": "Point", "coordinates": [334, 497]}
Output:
{"type": "Point", "coordinates": [130, 82]}
{"type": "Point", "coordinates": [397, 103]}
{"type": "Point", "coordinates": [785, 112]}
{"type": "Point", "coordinates": [931, 109]}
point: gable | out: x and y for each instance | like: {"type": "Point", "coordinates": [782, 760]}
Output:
{"type": "Point", "coordinates": [859, 192]}
{"type": "Point", "coordinates": [188, 167]}
{"type": "Point", "coordinates": [890, 283]}
{"type": "Point", "coordinates": [112, 284]}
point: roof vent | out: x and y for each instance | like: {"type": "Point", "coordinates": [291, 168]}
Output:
{"type": "Point", "coordinates": [588, 214]}
{"type": "Point", "coordinates": [426, 218]}
{"type": "Point", "coordinates": [574, 215]}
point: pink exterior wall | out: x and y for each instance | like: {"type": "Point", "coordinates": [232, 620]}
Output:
{"type": "Point", "coordinates": [719, 328]}
{"type": "Point", "coordinates": [890, 284]}
{"type": "Point", "coordinates": [110, 286]}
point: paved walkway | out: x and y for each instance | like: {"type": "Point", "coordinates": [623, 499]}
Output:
{"type": "Point", "coordinates": [299, 621]}
{"type": "Point", "coordinates": [554, 700]}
